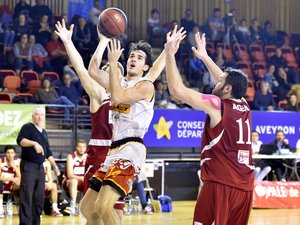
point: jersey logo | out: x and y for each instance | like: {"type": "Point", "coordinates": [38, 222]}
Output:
{"type": "Point", "coordinates": [122, 108]}
{"type": "Point", "coordinates": [214, 101]}
{"type": "Point", "coordinates": [244, 157]}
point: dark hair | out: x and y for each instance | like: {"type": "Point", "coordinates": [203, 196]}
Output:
{"type": "Point", "coordinates": [255, 131]}
{"type": "Point", "coordinates": [154, 11]}
{"type": "Point", "coordinates": [145, 47]}
{"type": "Point", "coordinates": [279, 131]}
{"type": "Point", "coordinates": [238, 80]}
{"type": "Point", "coordinates": [7, 147]}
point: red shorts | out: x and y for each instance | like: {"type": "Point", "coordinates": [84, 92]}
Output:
{"type": "Point", "coordinates": [8, 186]}
{"type": "Point", "coordinates": [80, 186]}
{"type": "Point", "coordinates": [95, 158]}
{"type": "Point", "coordinates": [222, 205]}
{"type": "Point", "coordinates": [120, 176]}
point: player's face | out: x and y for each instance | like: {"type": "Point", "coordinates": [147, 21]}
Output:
{"type": "Point", "coordinates": [81, 148]}
{"type": "Point", "coordinates": [136, 63]}
{"type": "Point", "coordinates": [10, 154]}
{"type": "Point", "coordinates": [220, 86]}
{"type": "Point", "coordinates": [38, 117]}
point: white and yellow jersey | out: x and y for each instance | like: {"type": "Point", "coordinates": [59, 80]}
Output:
{"type": "Point", "coordinates": [131, 120]}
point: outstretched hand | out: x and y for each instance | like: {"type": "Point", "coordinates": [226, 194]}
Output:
{"type": "Point", "coordinates": [114, 50]}
{"type": "Point", "coordinates": [200, 50]}
{"type": "Point", "coordinates": [61, 30]}
{"type": "Point", "coordinates": [173, 40]}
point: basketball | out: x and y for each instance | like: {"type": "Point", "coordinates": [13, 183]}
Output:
{"type": "Point", "coordinates": [112, 22]}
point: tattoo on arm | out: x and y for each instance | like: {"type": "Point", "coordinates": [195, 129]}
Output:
{"type": "Point", "coordinates": [213, 100]}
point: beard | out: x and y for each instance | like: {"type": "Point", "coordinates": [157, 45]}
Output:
{"type": "Point", "coordinates": [218, 92]}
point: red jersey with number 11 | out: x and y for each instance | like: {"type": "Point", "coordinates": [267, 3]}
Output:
{"type": "Point", "coordinates": [226, 155]}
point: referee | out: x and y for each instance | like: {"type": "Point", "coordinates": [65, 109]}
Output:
{"type": "Point", "coordinates": [35, 149]}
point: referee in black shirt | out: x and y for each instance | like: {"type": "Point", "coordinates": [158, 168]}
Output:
{"type": "Point", "coordinates": [35, 149]}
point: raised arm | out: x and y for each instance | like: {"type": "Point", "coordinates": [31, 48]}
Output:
{"type": "Point", "coordinates": [208, 103]}
{"type": "Point", "coordinates": [201, 53]}
{"type": "Point", "coordinates": [157, 67]}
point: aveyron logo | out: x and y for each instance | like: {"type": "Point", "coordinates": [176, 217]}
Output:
{"type": "Point", "coordinates": [162, 128]}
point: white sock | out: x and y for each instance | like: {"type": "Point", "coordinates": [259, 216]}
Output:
{"type": "Point", "coordinates": [54, 206]}
{"type": "Point", "coordinates": [72, 204]}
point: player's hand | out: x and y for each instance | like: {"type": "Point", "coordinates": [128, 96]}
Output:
{"type": "Point", "coordinates": [102, 36]}
{"type": "Point", "coordinates": [16, 181]}
{"type": "Point", "coordinates": [173, 40]}
{"type": "Point", "coordinates": [38, 148]}
{"type": "Point", "coordinates": [61, 30]}
{"type": "Point", "coordinates": [114, 50]}
{"type": "Point", "coordinates": [200, 50]}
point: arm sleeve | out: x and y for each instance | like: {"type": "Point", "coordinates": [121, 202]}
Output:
{"type": "Point", "coordinates": [23, 134]}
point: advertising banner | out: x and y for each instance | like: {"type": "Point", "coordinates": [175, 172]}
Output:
{"type": "Point", "coordinates": [12, 118]}
{"type": "Point", "coordinates": [271, 194]}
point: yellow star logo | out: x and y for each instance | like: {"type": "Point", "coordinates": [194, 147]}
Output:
{"type": "Point", "coordinates": [163, 128]}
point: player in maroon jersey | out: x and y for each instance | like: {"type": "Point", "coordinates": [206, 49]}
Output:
{"type": "Point", "coordinates": [226, 159]}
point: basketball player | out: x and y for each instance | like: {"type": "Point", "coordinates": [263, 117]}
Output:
{"type": "Point", "coordinates": [99, 108]}
{"type": "Point", "coordinates": [226, 159]}
{"type": "Point", "coordinates": [74, 174]}
{"type": "Point", "coordinates": [10, 174]}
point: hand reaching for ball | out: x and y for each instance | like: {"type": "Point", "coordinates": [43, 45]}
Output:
{"type": "Point", "coordinates": [61, 30]}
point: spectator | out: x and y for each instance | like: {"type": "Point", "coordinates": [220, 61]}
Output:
{"type": "Point", "coordinates": [51, 187]}
{"type": "Point", "coordinates": [42, 30]}
{"type": "Point", "coordinates": [277, 165]}
{"type": "Point", "coordinates": [82, 36]}
{"type": "Point", "coordinates": [57, 54]}
{"type": "Point", "coordinates": [68, 68]}
{"type": "Point", "coordinates": [22, 8]}
{"type": "Point", "coordinates": [197, 68]}
{"type": "Point", "coordinates": [187, 22]}
{"type": "Point", "coordinates": [154, 26]}
{"type": "Point", "coordinates": [8, 37]}
{"type": "Point", "coordinates": [293, 103]}
{"type": "Point", "coordinates": [74, 173]}
{"type": "Point", "coordinates": [219, 58]}
{"type": "Point", "coordinates": [35, 149]}
{"type": "Point", "coordinates": [39, 10]}
{"type": "Point", "coordinates": [267, 34]}
{"type": "Point", "coordinates": [216, 26]}
{"type": "Point", "coordinates": [191, 36]}
{"type": "Point", "coordinates": [21, 27]}
{"type": "Point", "coordinates": [23, 54]}
{"type": "Point", "coordinates": [270, 78]}
{"type": "Point", "coordinates": [255, 30]}
{"type": "Point", "coordinates": [71, 89]}
{"type": "Point", "coordinates": [263, 99]}
{"type": "Point", "coordinates": [39, 56]}
{"type": "Point", "coordinates": [95, 12]}
{"type": "Point", "coordinates": [48, 95]}
{"type": "Point", "coordinates": [243, 33]}
{"type": "Point", "coordinates": [277, 60]}
{"type": "Point", "coordinates": [261, 168]}
{"type": "Point", "coordinates": [10, 175]}
{"type": "Point", "coordinates": [284, 84]}
{"type": "Point", "coordinates": [161, 95]}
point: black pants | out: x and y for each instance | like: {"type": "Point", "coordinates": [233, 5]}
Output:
{"type": "Point", "coordinates": [32, 193]}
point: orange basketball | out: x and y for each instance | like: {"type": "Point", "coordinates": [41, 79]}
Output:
{"type": "Point", "coordinates": [112, 22]}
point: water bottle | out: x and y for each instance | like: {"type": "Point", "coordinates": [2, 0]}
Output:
{"type": "Point", "coordinates": [9, 207]}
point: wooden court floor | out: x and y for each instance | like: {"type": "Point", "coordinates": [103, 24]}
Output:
{"type": "Point", "coordinates": [181, 215]}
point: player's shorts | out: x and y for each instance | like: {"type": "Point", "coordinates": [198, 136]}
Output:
{"type": "Point", "coordinates": [80, 186]}
{"type": "Point", "coordinates": [8, 186]}
{"type": "Point", "coordinates": [222, 205]}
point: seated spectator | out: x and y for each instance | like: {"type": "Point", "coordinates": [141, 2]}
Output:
{"type": "Point", "coordinates": [277, 165]}
{"type": "Point", "coordinates": [22, 8]}
{"type": "Point", "coordinates": [8, 37]}
{"type": "Point", "coordinates": [21, 27]}
{"type": "Point", "coordinates": [293, 103]}
{"type": "Point", "coordinates": [40, 9]}
{"type": "Point", "coordinates": [261, 168]}
{"type": "Point", "coordinates": [154, 26]}
{"type": "Point", "coordinates": [187, 22]}
{"type": "Point", "coordinates": [277, 60]}
{"type": "Point", "coordinates": [51, 187]}
{"type": "Point", "coordinates": [271, 79]}
{"type": "Point", "coordinates": [197, 68]}
{"type": "Point", "coordinates": [57, 54]}
{"type": "Point", "coordinates": [68, 68]}
{"type": "Point", "coordinates": [161, 95]}
{"type": "Point", "coordinates": [42, 30]}
{"type": "Point", "coordinates": [263, 99]}
{"type": "Point", "coordinates": [48, 95]}
{"type": "Point", "coordinates": [71, 89]}
{"type": "Point", "coordinates": [267, 34]}
{"type": "Point", "coordinates": [10, 174]}
{"type": "Point", "coordinates": [39, 56]}
{"type": "Point", "coordinates": [219, 58]}
{"type": "Point", "coordinates": [243, 33]}
{"type": "Point", "coordinates": [74, 173]}
{"type": "Point", "coordinates": [284, 84]}
{"type": "Point", "coordinates": [82, 35]}
{"type": "Point", "coordinates": [191, 36]}
{"type": "Point", "coordinates": [23, 54]}
{"type": "Point", "coordinates": [216, 26]}
{"type": "Point", "coordinates": [95, 12]}
{"type": "Point", "coordinates": [255, 30]}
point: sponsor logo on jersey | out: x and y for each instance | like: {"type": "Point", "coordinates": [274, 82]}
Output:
{"type": "Point", "coordinates": [122, 108]}
{"type": "Point", "coordinates": [241, 108]}
{"type": "Point", "coordinates": [244, 156]}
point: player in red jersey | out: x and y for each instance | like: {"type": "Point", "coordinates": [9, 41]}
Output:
{"type": "Point", "coordinates": [226, 159]}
